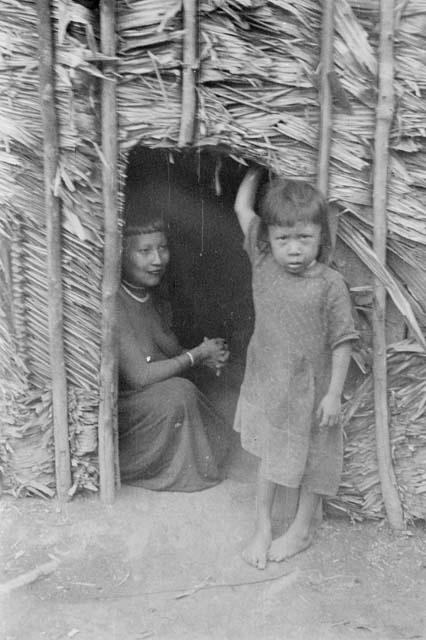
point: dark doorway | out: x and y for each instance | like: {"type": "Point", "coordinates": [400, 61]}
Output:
{"type": "Point", "coordinates": [209, 273]}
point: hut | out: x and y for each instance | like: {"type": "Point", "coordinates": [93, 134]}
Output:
{"type": "Point", "coordinates": [98, 94]}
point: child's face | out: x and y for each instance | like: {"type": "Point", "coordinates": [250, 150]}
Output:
{"type": "Point", "coordinates": [145, 258]}
{"type": "Point", "coordinates": [295, 248]}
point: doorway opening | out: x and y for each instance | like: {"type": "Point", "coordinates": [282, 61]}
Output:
{"type": "Point", "coordinates": [208, 281]}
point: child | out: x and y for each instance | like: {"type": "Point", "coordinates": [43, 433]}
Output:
{"type": "Point", "coordinates": [297, 359]}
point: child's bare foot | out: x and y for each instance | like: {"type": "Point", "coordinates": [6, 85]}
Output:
{"type": "Point", "coordinates": [291, 543]}
{"type": "Point", "coordinates": [256, 552]}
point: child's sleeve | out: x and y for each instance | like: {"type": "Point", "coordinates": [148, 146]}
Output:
{"type": "Point", "coordinates": [250, 239]}
{"type": "Point", "coordinates": [341, 326]}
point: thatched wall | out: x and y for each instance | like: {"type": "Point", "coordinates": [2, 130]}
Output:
{"type": "Point", "coordinates": [360, 492]}
{"type": "Point", "coordinates": [257, 95]}
{"type": "Point", "coordinates": [27, 438]}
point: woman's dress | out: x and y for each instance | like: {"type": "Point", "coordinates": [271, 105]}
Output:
{"type": "Point", "coordinates": [170, 436]}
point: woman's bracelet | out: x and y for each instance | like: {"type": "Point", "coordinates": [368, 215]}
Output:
{"type": "Point", "coordinates": [191, 358]}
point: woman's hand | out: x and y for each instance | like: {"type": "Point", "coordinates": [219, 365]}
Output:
{"type": "Point", "coordinates": [212, 353]}
{"type": "Point", "coordinates": [328, 412]}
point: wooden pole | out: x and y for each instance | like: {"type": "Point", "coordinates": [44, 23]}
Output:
{"type": "Point", "coordinates": [326, 124]}
{"type": "Point", "coordinates": [326, 68]}
{"type": "Point", "coordinates": [326, 117]}
{"type": "Point", "coordinates": [107, 426]}
{"type": "Point", "coordinates": [190, 66]}
{"type": "Point", "coordinates": [53, 231]}
{"type": "Point", "coordinates": [384, 114]}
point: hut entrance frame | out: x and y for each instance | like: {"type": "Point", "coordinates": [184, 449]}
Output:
{"type": "Point", "coordinates": [107, 422]}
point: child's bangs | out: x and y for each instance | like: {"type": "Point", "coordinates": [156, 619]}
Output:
{"type": "Point", "coordinates": [289, 214]}
{"type": "Point", "coordinates": [309, 213]}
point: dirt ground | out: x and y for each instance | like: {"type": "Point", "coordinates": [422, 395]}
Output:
{"type": "Point", "coordinates": [167, 566]}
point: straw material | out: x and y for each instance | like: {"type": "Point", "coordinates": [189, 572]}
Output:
{"type": "Point", "coordinates": [26, 456]}
{"type": "Point", "coordinates": [359, 494]}
{"type": "Point", "coordinates": [257, 101]}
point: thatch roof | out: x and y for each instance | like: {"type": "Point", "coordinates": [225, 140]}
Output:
{"type": "Point", "coordinates": [258, 100]}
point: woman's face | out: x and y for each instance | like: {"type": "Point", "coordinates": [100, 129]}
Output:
{"type": "Point", "coordinates": [145, 258]}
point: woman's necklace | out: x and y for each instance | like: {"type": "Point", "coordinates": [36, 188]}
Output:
{"type": "Point", "coordinates": [133, 286]}
{"type": "Point", "coordinates": [134, 296]}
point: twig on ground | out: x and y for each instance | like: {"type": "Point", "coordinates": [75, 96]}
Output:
{"type": "Point", "coordinates": [29, 577]}
{"type": "Point", "coordinates": [182, 593]}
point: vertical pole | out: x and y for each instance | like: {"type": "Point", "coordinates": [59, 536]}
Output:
{"type": "Point", "coordinates": [190, 66]}
{"type": "Point", "coordinates": [384, 114]}
{"type": "Point", "coordinates": [326, 122]}
{"type": "Point", "coordinates": [326, 67]}
{"type": "Point", "coordinates": [326, 117]}
{"type": "Point", "coordinates": [107, 427]}
{"type": "Point", "coordinates": [53, 231]}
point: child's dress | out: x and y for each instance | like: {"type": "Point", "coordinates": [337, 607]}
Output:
{"type": "Point", "coordinates": [299, 320]}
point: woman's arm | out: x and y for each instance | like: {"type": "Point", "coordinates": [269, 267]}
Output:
{"type": "Point", "coordinates": [138, 372]}
{"type": "Point", "coordinates": [329, 408]}
{"type": "Point", "coordinates": [245, 199]}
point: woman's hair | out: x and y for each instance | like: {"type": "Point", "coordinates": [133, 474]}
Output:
{"type": "Point", "coordinates": [287, 202]}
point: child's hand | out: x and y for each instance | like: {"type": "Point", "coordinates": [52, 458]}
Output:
{"type": "Point", "coordinates": [246, 196]}
{"type": "Point", "coordinates": [328, 412]}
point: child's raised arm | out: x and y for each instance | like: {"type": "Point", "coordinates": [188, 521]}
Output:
{"type": "Point", "coordinates": [246, 196]}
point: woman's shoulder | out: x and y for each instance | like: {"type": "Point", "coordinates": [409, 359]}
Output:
{"type": "Point", "coordinates": [121, 303]}
{"type": "Point", "coordinates": [124, 303]}
{"type": "Point", "coordinates": [129, 310]}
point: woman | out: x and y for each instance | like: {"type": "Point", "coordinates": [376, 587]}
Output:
{"type": "Point", "coordinates": [171, 437]}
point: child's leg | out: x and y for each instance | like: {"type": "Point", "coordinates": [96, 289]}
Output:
{"type": "Point", "coordinates": [299, 535]}
{"type": "Point", "coordinates": [285, 506]}
{"type": "Point", "coordinates": [318, 516]}
{"type": "Point", "coordinates": [256, 551]}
